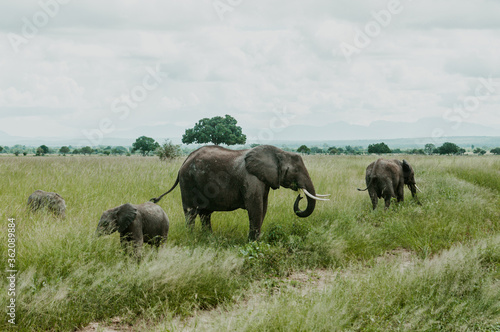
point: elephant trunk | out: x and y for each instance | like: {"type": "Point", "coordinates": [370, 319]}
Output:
{"type": "Point", "coordinates": [413, 189]}
{"type": "Point", "coordinates": [311, 202]}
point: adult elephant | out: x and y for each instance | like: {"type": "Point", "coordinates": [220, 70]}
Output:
{"type": "Point", "coordinates": [387, 179]}
{"type": "Point", "coordinates": [213, 178]}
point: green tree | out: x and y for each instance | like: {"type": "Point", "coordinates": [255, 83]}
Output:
{"type": "Point", "coordinates": [44, 149]}
{"type": "Point", "coordinates": [168, 151]}
{"type": "Point", "coordinates": [495, 151]}
{"type": "Point", "coordinates": [303, 149]}
{"type": "Point", "coordinates": [429, 148]}
{"type": "Point", "coordinates": [1, 149]}
{"type": "Point", "coordinates": [448, 148]}
{"type": "Point", "coordinates": [39, 151]}
{"type": "Point", "coordinates": [63, 150]}
{"type": "Point", "coordinates": [145, 145]}
{"type": "Point", "coordinates": [479, 151]}
{"type": "Point", "coordinates": [86, 150]}
{"type": "Point", "coordinates": [378, 148]}
{"type": "Point", "coordinates": [217, 130]}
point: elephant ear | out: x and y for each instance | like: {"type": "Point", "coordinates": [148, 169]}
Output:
{"type": "Point", "coordinates": [406, 169]}
{"type": "Point", "coordinates": [125, 214]}
{"type": "Point", "coordinates": [264, 162]}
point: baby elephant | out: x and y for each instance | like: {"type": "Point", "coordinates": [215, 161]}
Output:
{"type": "Point", "coordinates": [387, 178]}
{"type": "Point", "coordinates": [136, 223]}
{"type": "Point", "coordinates": [52, 201]}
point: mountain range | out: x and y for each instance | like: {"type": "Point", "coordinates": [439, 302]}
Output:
{"type": "Point", "coordinates": [409, 134]}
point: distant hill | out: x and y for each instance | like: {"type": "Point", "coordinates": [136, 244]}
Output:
{"type": "Point", "coordinates": [395, 134]}
{"type": "Point", "coordinates": [378, 130]}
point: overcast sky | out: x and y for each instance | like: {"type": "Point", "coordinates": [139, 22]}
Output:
{"type": "Point", "coordinates": [70, 67]}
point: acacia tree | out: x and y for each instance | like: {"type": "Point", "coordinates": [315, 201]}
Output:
{"type": "Point", "coordinates": [145, 145]}
{"type": "Point", "coordinates": [217, 130]}
{"type": "Point", "coordinates": [495, 151]}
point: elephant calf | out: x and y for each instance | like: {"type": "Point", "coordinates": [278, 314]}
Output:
{"type": "Point", "coordinates": [387, 178]}
{"type": "Point", "coordinates": [52, 201]}
{"type": "Point", "coordinates": [146, 222]}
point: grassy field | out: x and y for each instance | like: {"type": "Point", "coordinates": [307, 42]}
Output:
{"type": "Point", "coordinates": [428, 267]}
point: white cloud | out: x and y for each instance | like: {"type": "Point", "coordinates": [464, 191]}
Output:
{"type": "Point", "coordinates": [263, 56]}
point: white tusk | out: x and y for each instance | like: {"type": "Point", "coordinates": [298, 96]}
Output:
{"type": "Point", "coordinates": [314, 197]}
{"type": "Point", "coordinates": [317, 195]}
{"type": "Point", "coordinates": [418, 188]}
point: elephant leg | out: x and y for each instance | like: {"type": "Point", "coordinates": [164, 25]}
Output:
{"type": "Point", "coordinates": [387, 200]}
{"type": "Point", "coordinates": [126, 243]}
{"type": "Point", "coordinates": [256, 213]}
{"type": "Point", "coordinates": [190, 215]}
{"type": "Point", "coordinates": [264, 206]}
{"type": "Point", "coordinates": [255, 216]}
{"type": "Point", "coordinates": [206, 223]}
{"type": "Point", "coordinates": [401, 193]}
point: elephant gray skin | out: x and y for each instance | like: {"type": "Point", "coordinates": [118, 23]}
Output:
{"type": "Point", "coordinates": [141, 223]}
{"type": "Point", "coordinates": [387, 178]}
{"type": "Point", "coordinates": [52, 201]}
{"type": "Point", "coordinates": [213, 178]}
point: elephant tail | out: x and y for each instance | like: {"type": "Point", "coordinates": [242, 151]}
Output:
{"type": "Point", "coordinates": [157, 199]}
{"type": "Point", "coordinates": [373, 178]}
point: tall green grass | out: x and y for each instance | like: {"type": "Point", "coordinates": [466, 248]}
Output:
{"type": "Point", "coordinates": [67, 278]}
{"type": "Point", "coordinates": [457, 290]}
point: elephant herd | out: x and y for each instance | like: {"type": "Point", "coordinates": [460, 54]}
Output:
{"type": "Point", "coordinates": [213, 178]}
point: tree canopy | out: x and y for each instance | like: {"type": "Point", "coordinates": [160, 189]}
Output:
{"type": "Point", "coordinates": [304, 149]}
{"type": "Point", "coordinates": [64, 149]}
{"type": "Point", "coordinates": [217, 130]}
{"type": "Point", "coordinates": [145, 145]}
{"type": "Point", "coordinates": [378, 148]}
{"type": "Point", "coordinates": [449, 148]}
{"type": "Point", "coordinates": [429, 148]}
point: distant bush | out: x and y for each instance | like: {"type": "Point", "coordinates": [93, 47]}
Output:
{"type": "Point", "coordinates": [168, 151]}
{"type": "Point", "coordinates": [495, 151]}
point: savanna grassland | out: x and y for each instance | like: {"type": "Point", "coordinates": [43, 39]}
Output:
{"type": "Point", "coordinates": [428, 267]}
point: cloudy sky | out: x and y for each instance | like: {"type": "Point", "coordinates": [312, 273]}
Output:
{"type": "Point", "coordinates": [72, 68]}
